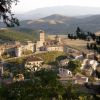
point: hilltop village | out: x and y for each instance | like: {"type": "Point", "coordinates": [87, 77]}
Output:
{"type": "Point", "coordinates": [17, 49]}
{"type": "Point", "coordinates": [49, 50]}
{"type": "Point", "coordinates": [76, 66]}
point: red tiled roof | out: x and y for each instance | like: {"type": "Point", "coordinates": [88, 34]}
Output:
{"type": "Point", "coordinates": [33, 58]}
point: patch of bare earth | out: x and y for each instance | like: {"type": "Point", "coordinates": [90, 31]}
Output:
{"type": "Point", "coordinates": [78, 44]}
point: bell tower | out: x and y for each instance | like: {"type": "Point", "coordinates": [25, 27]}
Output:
{"type": "Point", "coordinates": [42, 36]}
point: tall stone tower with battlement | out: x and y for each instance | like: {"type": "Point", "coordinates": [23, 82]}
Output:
{"type": "Point", "coordinates": [41, 42]}
{"type": "Point", "coordinates": [42, 36]}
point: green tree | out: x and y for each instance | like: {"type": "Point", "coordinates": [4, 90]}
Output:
{"type": "Point", "coordinates": [49, 82]}
{"type": "Point", "coordinates": [74, 66]}
{"type": "Point", "coordinates": [3, 92]}
{"type": "Point", "coordinates": [6, 14]}
{"type": "Point", "coordinates": [78, 32]}
{"type": "Point", "coordinates": [44, 86]}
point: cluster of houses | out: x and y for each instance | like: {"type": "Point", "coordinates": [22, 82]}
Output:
{"type": "Point", "coordinates": [67, 76]}
{"type": "Point", "coordinates": [33, 63]}
{"type": "Point", "coordinates": [88, 68]}
{"type": "Point", "coordinates": [18, 49]}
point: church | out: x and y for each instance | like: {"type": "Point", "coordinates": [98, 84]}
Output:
{"type": "Point", "coordinates": [44, 44]}
{"type": "Point", "coordinates": [48, 44]}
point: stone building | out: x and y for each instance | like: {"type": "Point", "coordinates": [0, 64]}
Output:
{"type": "Point", "coordinates": [33, 63]}
{"type": "Point", "coordinates": [19, 49]}
{"type": "Point", "coordinates": [89, 66]}
{"type": "Point", "coordinates": [42, 36]}
{"type": "Point", "coordinates": [22, 48]}
{"type": "Point", "coordinates": [49, 45]}
{"type": "Point", "coordinates": [1, 69]}
{"type": "Point", "coordinates": [40, 43]}
{"type": "Point", "coordinates": [54, 48]}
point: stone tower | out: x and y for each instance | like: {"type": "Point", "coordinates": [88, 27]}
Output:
{"type": "Point", "coordinates": [42, 36]}
{"type": "Point", "coordinates": [57, 39]}
{"type": "Point", "coordinates": [18, 51]}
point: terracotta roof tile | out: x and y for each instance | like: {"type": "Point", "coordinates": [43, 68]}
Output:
{"type": "Point", "coordinates": [33, 58]}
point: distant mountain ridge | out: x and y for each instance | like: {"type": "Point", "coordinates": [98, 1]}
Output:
{"type": "Point", "coordinates": [62, 24]}
{"type": "Point", "coordinates": [56, 17]}
{"type": "Point", "coordinates": [62, 10]}
{"type": "Point", "coordinates": [52, 19]}
{"type": "Point", "coordinates": [59, 19]}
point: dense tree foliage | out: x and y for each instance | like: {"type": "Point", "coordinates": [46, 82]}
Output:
{"type": "Point", "coordinates": [71, 36]}
{"type": "Point", "coordinates": [80, 34]}
{"type": "Point", "coordinates": [44, 85]}
{"type": "Point", "coordinates": [78, 31]}
{"type": "Point", "coordinates": [15, 66]}
{"type": "Point", "coordinates": [85, 35]}
{"type": "Point", "coordinates": [6, 14]}
{"type": "Point", "coordinates": [74, 66]}
{"type": "Point", "coordinates": [98, 40]}
{"type": "Point", "coordinates": [93, 46]}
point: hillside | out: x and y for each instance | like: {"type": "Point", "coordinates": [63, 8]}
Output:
{"type": "Point", "coordinates": [62, 10]}
{"type": "Point", "coordinates": [12, 35]}
{"type": "Point", "coordinates": [62, 24]}
{"type": "Point", "coordinates": [57, 17]}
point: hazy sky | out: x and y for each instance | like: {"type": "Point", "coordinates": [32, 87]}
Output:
{"type": "Point", "coordinates": [27, 5]}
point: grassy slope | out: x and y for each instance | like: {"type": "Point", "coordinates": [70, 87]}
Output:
{"type": "Point", "coordinates": [50, 57]}
{"type": "Point", "coordinates": [9, 34]}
